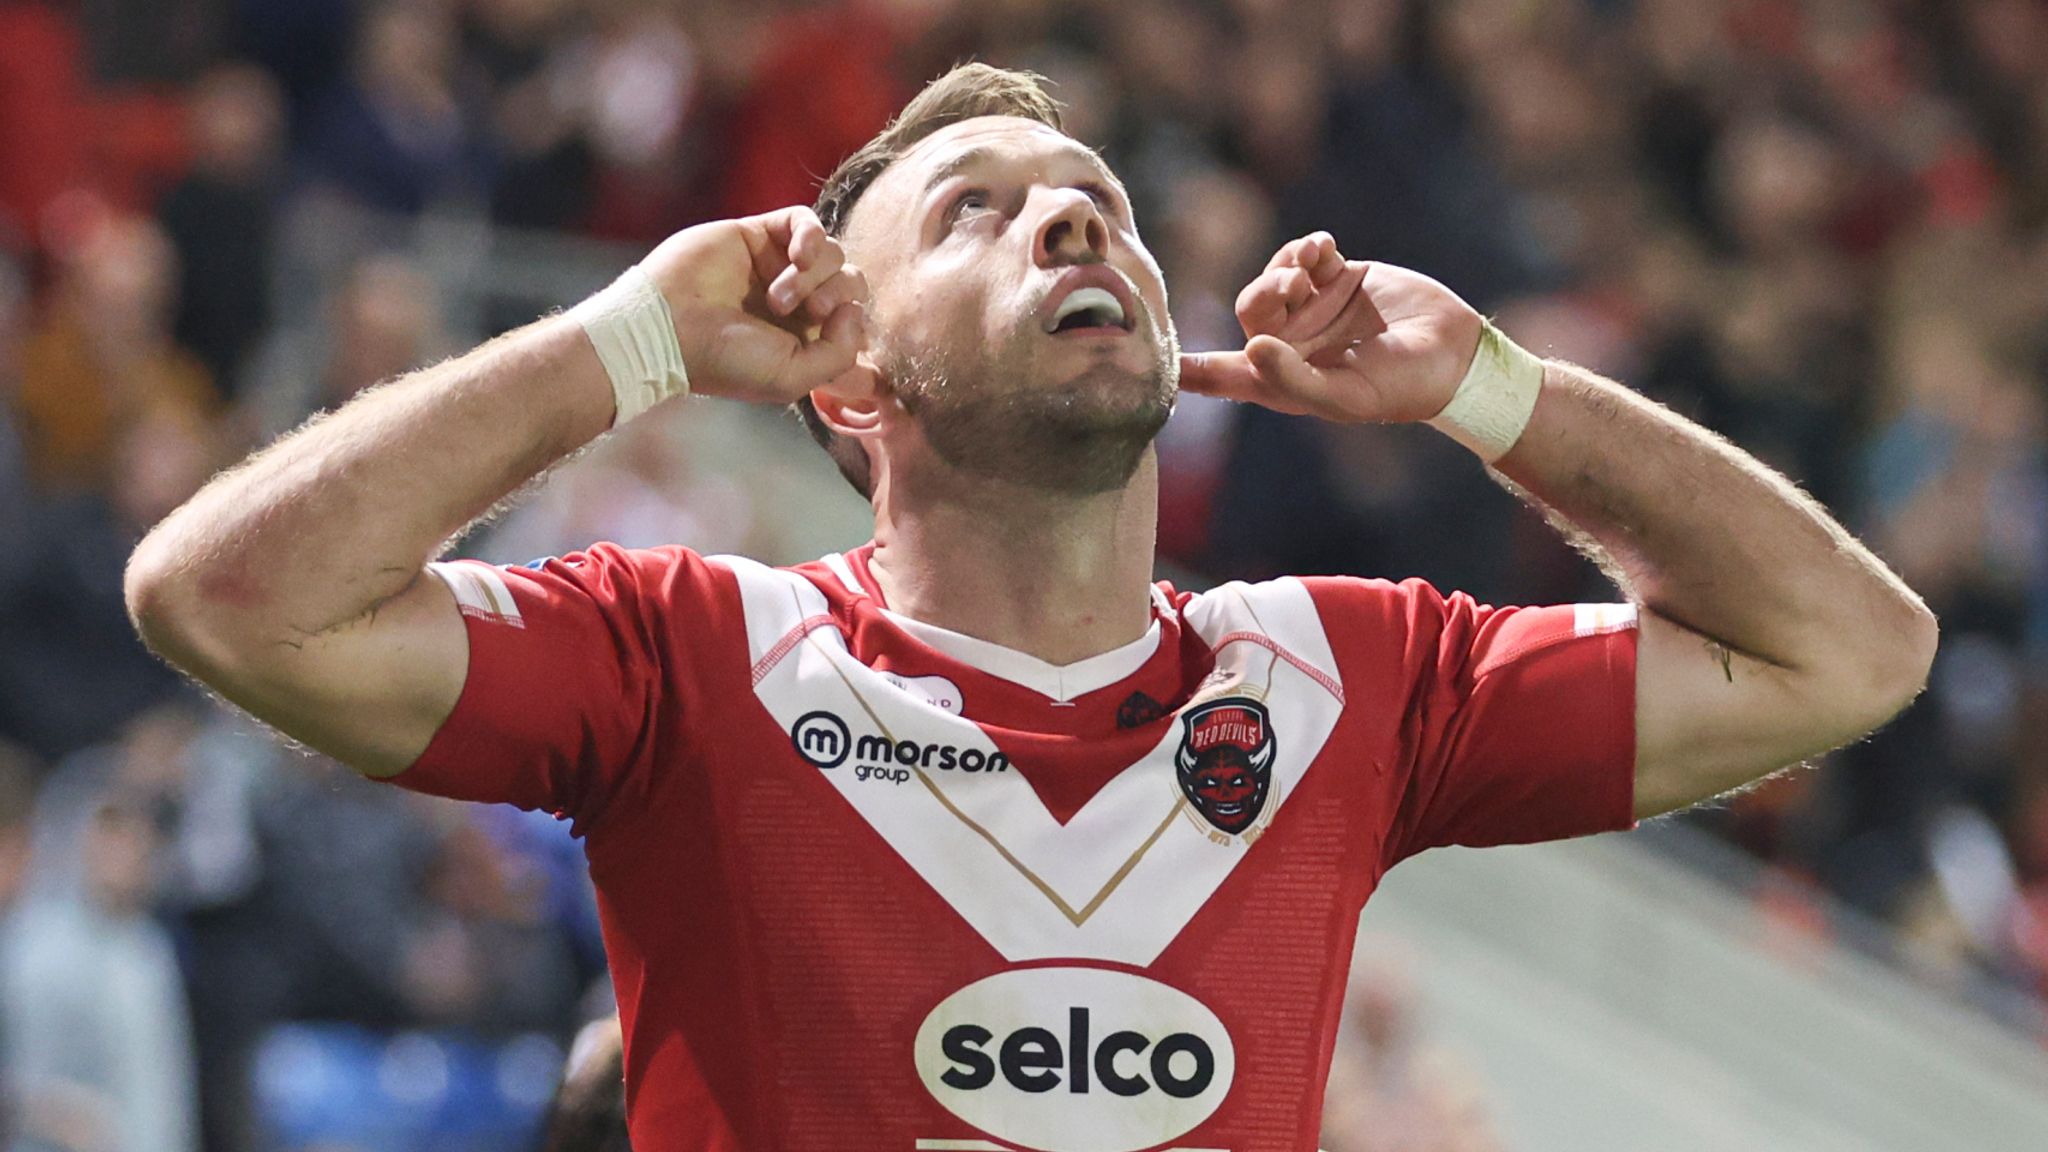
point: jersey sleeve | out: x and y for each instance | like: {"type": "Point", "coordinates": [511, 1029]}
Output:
{"type": "Point", "coordinates": [1519, 723]}
{"type": "Point", "coordinates": [565, 701]}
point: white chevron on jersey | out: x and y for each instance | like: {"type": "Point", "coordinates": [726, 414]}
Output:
{"type": "Point", "coordinates": [1128, 871]}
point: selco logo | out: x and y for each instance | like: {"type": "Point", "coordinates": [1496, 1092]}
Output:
{"type": "Point", "coordinates": [1076, 1059]}
{"type": "Point", "coordinates": [825, 741]}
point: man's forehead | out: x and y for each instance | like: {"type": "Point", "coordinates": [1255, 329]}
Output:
{"type": "Point", "coordinates": [1017, 135]}
{"type": "Point", "coordinates": [1003, 137]}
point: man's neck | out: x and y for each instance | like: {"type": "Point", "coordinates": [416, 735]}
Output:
{"type": "Point", "coordinates": [1056, 576]}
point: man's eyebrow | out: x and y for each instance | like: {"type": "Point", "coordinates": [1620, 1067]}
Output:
{"type": "Point", "coordinates": [959, 163]}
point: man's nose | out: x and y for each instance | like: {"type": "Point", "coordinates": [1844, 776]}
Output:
{"type": "Point", "coordinates": [1071, 231]}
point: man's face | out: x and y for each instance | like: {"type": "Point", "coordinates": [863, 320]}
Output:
{"type": "Point", "coordinates": [1015, 313]}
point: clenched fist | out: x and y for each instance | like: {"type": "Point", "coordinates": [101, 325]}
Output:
{"type": "Point", "coordinates": [1344, 340]}
{"type": "Point", "coordinates": [766, 307]}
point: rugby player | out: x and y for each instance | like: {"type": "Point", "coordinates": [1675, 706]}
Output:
{"type": "Point", "coordinates": [974, 837]}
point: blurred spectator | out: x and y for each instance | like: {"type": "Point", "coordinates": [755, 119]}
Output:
{"type": "Point", "coordinates": [1213, 241]}
{"type": "Point", "coordinates": [394, 134]}
{"type": "Point", "coordinates": [18, 501]}
{"type": "Point", "coordinates": [297, 883]}
{"type": "Point", "coordinates": [361, 903]}
{"type": "Point", "coordinates": [101, 356]}
{"type": "Point", "coordinates": [72, 668]}
{"type": "Point", "coordinates": [17, 796]}
{"type": "Point", "coordinates": [1355, 143]}
{"type": "Point", "coordinates": [821, 88]}
{"type": "Point", "coordinates": [343, 867]}
{"type": "Point", "coordinates": [1389, 1092]}
{"type": "Point", "coordinates": [386, 321]}
{"type": "Point", "coordinates": [484, 955]}
{"type": "Point", "coordinates": [382, 319]}
{"type": "Point", "coordinates": [539, 108]}
{"type": "Point", "coordinates": [312, 895]}
{"type": "Point", "coordinates": [642, 486]}
{"type": "Point", "coordinates": [98, 1037]}
{"type": "Point", "coordinates": [221, 218]}
{"type": "Point", "coordinates": [1390, 173]}
{"type": "Point", "coordinates": [640, 75]}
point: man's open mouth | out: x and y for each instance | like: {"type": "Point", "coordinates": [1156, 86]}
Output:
{"type": "Point", "coordinates": [1089, 308]}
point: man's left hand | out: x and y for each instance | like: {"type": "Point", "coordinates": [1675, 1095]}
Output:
{"type": "Point", "coordinates": [1343, 340]}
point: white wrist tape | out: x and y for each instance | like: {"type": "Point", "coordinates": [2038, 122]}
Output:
{"type": "Point", "coordinates": [1492, 404]}
{"type": "Point", "coordinates": [629, 324]}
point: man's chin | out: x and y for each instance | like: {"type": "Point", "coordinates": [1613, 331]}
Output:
{"type": "Point", "coordinates": [1112, 395]}
{"type": "Point", "coordinates": [1047, 422]}
{"type": "Point", "coordinates": [1081, 437]}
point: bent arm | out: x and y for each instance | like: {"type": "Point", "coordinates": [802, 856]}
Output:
{"type": "Point", "coordinates": [1768, 634]}
{"type": "Point", "coordinates": [295, 585]}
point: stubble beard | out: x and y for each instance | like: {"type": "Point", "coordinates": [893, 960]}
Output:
{"type": "Point", "coordinates": [1084, 437]}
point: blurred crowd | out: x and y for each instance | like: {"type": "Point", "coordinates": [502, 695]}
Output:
{"type": "Point", "coordinates": [1818, 226]}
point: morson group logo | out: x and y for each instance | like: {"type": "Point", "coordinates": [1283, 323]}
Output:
{"type": "Point", "coordinates": [825, 741]}
{"type": "Point", "coordinates": [822, 739]}
{"type": "Point", "coordinates": [1076, 1059]}
{"type": "Point", "coordinates": [1225, 762]}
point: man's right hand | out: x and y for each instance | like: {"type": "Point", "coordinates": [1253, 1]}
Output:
{"type": "Point", "coordinates": [766, 307]}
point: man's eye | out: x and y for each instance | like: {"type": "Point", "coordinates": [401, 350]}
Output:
{"type": "Point", "coordinates": [972, 200]}
{"type": "Point", "coordinates": [1099, 193]}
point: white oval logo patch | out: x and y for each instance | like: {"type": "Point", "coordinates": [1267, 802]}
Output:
{"type": "Point", "coordinates": [1076, 1059]}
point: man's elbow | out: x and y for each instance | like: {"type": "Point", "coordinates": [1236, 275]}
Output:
{"type": "Point", "coordinates": [167, 604]}
{"type": "Point", "coordinates": [150, 587]}
{"type": "Point", "coordinates": [1896, 664]}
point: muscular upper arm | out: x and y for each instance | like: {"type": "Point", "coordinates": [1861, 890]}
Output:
{"type": "Point", "coordinates": [371, 692]}
{"type": "Point", "coordinates": [1709, 720]}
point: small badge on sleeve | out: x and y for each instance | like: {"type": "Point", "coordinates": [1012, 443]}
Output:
{"type": "Point", "coordinates": [480, 591]}
{"type": "Point", "coordinates": [1600, 619]}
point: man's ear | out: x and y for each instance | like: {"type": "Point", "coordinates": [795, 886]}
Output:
{"type": "Point", "coordinates": [851, 404]}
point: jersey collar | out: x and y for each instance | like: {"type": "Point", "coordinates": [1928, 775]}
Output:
{"type": "Point", "coordinates": [1056, 682]}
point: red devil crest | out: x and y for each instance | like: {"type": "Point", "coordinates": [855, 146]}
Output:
{"type": "Point", "coordinates": [1225, 761]}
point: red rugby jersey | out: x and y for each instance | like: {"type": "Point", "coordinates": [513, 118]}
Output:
{"type": "Point", "coordinates": [870, 885]}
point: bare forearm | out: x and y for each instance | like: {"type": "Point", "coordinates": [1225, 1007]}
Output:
{"type": "Point", "coordinates": [295, 584]}
{"type": "Point", "coordinates": [331, 521]}
{"type": "Point", "coordinates": [1706, 536]}
{"type": "Point", "coordinates": [1767, 634]}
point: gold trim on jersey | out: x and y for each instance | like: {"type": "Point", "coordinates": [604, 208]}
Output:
{"type": "Point", "coordinates": [1076, 917]}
